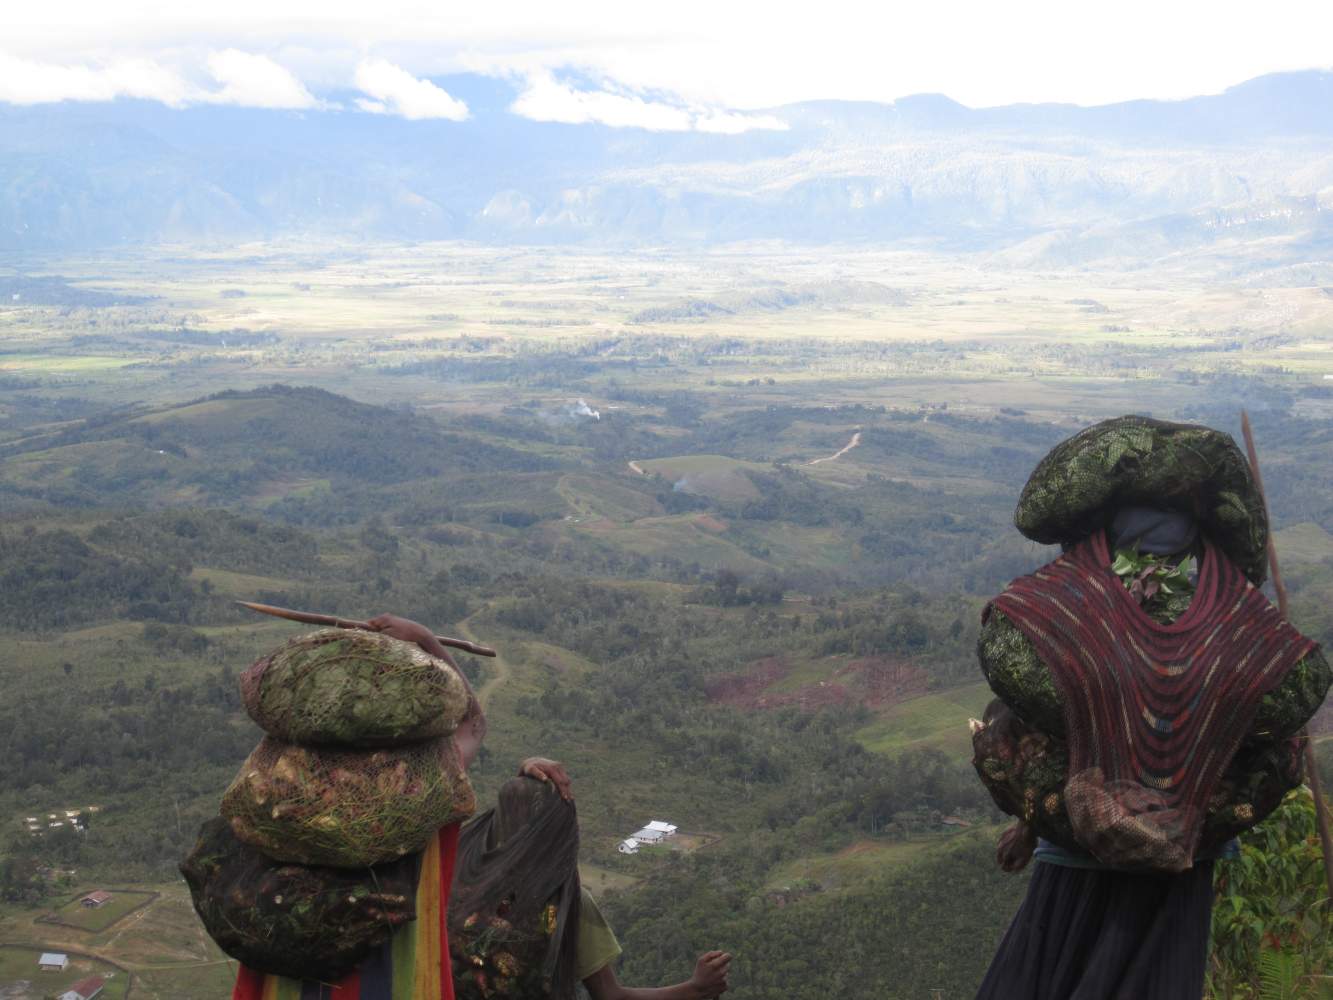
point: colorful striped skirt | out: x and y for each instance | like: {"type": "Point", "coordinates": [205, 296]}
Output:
{"type": "Point", "coordinates": [412, 965]}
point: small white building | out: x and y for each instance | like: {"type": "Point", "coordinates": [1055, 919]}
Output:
{"type": "Point", "coordinates": [53, 961]}
{"type": "Point", "coordinates": [629, 846]}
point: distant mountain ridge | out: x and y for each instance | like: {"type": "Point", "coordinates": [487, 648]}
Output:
{"type": "Point", "coordinates": [89, 175]}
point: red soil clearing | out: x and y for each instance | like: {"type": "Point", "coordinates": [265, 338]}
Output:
{"type": "Point", "coordinates": [873, 681]}
{"type": "Point", "coordinates": [742, 690]}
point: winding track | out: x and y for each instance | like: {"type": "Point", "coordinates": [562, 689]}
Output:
{"type": "Point", "coordinates": [503, 671]}
{"type": "Point", "coordinates": [856, 439]}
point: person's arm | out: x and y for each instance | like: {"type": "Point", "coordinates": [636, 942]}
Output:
{"type": "Point", "coordinates": [472, 729]}
{"type": "Point", "coordinates": [709, 980]}
{"type": "Point", "coordinates": [551, 771]}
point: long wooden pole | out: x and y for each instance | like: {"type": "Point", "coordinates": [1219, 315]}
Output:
{"type": "Point", "coordinates": [1311, 766]}
{"type": "Point", "coordinates": [310, 618]}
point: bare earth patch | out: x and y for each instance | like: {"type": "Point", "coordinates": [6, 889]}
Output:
{"type": "Point", "coordinates": [874, 681]}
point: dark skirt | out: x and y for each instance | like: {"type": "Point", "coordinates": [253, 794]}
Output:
{"type": "Point", "coordinates": [1083, 934]}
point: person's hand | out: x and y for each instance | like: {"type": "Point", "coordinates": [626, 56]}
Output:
{"type": "Point", "coordinates": [710, 974]}
{"type": "Point", "coordinates": [402, 628]}
{"type": "Point", "coordinates": [1015, 847]}
{"type": "Point", "coordinates": [550, 771]}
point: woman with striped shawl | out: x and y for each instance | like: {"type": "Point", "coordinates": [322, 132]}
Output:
{"type": "Point", "coordinates": [1147, 712]}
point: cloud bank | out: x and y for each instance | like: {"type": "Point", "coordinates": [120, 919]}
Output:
{"type": "Point", "coordinates": [28, 81]}
{"type": "Point", "coordinates": [241, 78]}
{"type": "Point", "coordinates": [253, 80]}
{"type": "Point", "coordinates": [745, 54]}
{"type": "Point", "coordinates": [546, 99]}
{"type": "Point", "coordinates": [391, 89]}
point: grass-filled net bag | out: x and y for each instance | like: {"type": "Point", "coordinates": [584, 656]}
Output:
{"type": "Point", "coordinates": [294, 920]}
{"type": "Point", "coordinates": [352, 688]}
{"type": "Point", "coordinates": [1140, 461]}
{"type": "Point", "coordinates": [346, 808]}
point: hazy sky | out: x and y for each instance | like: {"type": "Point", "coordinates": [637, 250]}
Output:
{"type": "Point", "coordinates": [664, 65]}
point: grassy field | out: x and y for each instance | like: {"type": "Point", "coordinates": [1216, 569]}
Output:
{"type": "Point", "coordinates": [1304, 543]}
{"type": "Point", "coordinates": [710, 475]}
{"type": "Point", "coordinates": [123, 902]}
{"type": "Point", "coordinates": [162, 945]}
{"type": "Point", "coordinates": [21, 979]}
{"type": "Point", "coordinates": [63, 364]}
{"type": "Point", "coordinates": [853, 863]}
{"type": "Point", "coordinates": [977, 332]}
{"type": "Point", "coordinates": [932, 720]}
{"type": "Point", "coordinates": [603, 880]}
{"type": "Point", "coordinates": [686, 537]}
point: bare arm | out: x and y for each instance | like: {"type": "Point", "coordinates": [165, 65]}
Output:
{"type": "Point", "coordinates": [709, 980]}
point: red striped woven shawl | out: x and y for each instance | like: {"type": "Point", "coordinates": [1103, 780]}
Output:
{"type": "Point", "coordinates": [1153, 713]}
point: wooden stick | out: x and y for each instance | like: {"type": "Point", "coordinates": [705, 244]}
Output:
{"type": "Point", "coordinates": [1311, 765]}
{"type": "Point", "coordinates": [310, 618]}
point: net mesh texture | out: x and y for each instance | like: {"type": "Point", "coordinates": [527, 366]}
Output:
{"type": "Point", "coordinates": [352, 688]}
{"type": "Point", "coordinates": [346, 808]}
{"type": "Point", "coordinates": [294, 920]}
{"type": "Point", "coordinates": [1026, 772]}
{"type": "Point", "coordinates": [1140, 461]}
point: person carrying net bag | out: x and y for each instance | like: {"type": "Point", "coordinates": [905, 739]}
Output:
{"type": "Point", "coordinates": [1149, 704]}
{"type": "Point", "coordinates": [328, 872]}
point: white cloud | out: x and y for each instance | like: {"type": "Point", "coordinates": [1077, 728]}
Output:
{"type": "Point", "coordinates": [396, 91]}
{"type": "Point", "coordinates": [730, 123]}
{"type": "Point", "coordinates": [255, 81]}
{"type": "Point", "coordinates": [26, 81]}
{"type": "Point", "coordinates": [546, 99]}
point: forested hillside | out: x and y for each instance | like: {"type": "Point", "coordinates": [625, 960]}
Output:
{"type": "Point", "coordinates": [729, 519]}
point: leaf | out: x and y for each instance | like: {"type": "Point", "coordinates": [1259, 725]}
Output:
{"type": "Point", "coordinates": [1279, 973]}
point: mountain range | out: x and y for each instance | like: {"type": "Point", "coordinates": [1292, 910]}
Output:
{"type": "Point", "coordinates": [1065, 182]}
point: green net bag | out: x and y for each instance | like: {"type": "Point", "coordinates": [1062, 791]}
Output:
{"type": "Point", "coordinates": [1137, 460]}
{"type": "Point", "coordinates": [339, 687]}
{"type": "Point", "coordinates": [294, 920]}
{"type": "Point", "coordinates": [346, 808]}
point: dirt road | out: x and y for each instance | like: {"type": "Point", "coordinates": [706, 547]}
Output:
{"type": "Point", "coordinates": [856, 439]}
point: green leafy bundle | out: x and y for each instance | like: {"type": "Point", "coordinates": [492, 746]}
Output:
{"type": "Point", "coordinates": [351, 688]}
{"type": "Point", "coordinates": [1136, 460]}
